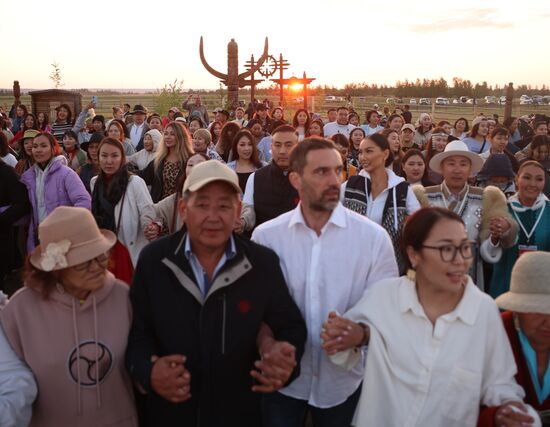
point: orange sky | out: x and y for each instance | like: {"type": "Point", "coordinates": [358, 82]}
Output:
{"type": "Point", "coordinates": [140, 44]}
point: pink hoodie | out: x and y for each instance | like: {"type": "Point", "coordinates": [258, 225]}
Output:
{"type": "Point", "coordinates": [57, 338]}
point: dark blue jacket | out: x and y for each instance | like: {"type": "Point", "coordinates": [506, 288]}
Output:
{"type": "Point", "coordinates": [217, 335]}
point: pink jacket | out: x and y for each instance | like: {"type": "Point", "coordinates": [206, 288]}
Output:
{"type": "Point", "coordinates": [69, 346]}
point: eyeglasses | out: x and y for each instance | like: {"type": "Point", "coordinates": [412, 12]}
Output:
{"type": "Point", "coordinates": [101, 260]}
{"type": "Point", "coordinates": [448, 252]}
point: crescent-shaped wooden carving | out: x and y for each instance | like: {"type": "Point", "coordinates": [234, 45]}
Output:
{"type": "Point", "coordinates": [258, 64]}
{"type": "Point", "coordinates": [207, 66]}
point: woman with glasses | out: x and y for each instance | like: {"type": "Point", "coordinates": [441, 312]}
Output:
{"type": "Point", "coordinates": [437, 349]}
{"type": "Point", "coordinates": [531, 210]}
{"type": "Point", "coordinates": [70, 325]}
{"type": "Point", "coordinates": [483, 211]}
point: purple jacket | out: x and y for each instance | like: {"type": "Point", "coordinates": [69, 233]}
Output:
{"type": "Point", "coordinates": [62, 187]}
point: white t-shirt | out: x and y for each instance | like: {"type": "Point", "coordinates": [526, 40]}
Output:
{"type": "Point", "coordinates": [333, 128]}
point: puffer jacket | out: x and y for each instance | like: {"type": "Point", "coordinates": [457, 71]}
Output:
{"type": "Point", "coordinates": [62, 187]}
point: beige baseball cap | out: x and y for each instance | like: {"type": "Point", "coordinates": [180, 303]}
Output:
{"type": "Point", "coordinates": [206, 172]}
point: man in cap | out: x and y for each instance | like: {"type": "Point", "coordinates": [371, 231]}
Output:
{"type": "Point", "coordinates": [484, 211]}
{"type": "Point", "coordinates": [139, 127]}
{"type": "Point", "coordinates": [207, 306]}
{"type": "Point", "coordinates": [406, 138]}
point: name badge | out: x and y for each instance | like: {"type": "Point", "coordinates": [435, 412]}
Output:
{"type": "Point", "coordinates": [523, 249]}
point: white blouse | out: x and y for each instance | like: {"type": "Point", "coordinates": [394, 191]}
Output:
{"type": "Point", "coordinates": [419, 374]}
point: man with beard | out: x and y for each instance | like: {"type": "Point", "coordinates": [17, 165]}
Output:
{"type": "Point", "coordinates": [330, 256]}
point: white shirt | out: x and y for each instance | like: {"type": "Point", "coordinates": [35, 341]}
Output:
{"type": "Point", "coordinates": [17, 385]}
{"type": "Point", "coordinates": [333, 128]}
{"type": "Point", "coordinates": [419, 374]}
{"type": "Point", "coordinates": [328, 272]}
{"type": "Point", "coordinates": [135, 133]}
{"type": "Point", "coordinates": [9, 159]}
{"type": "Point", "coordinates": [375, 208]}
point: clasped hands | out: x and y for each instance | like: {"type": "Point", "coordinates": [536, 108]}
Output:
{"type": "Point", "coordinates": [171, 380]}
{"type": "Point", "coordinates": [339, 334]}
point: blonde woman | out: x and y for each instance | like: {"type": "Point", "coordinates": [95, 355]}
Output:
{"type": "Point", "coordinates": [169, 162]}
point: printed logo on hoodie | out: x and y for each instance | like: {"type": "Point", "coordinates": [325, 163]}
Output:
{"type": "Point", "coordinates": [90, 363]}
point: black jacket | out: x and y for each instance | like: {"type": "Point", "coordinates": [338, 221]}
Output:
{"type": "Point", "coordinates": [218, 336]}
{"type": "Point", "coordinates": [14, 204]}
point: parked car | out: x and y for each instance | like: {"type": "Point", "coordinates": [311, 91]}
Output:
{"type": "Point", "coordinates": [502, 100]}
{"type": "Point", "coordinates": [463, 99]}
{"type": "Point", "coordinates": [412, 101]}
{"type": "Point", "coordinates": [441, 101]}
{"type": "Point", "coordinates": [526, 101]}
{"type": "Point", "coordinates": [546, 100]}
{"type": "Point", "coordinates": [330, 98]}
{"type": "Point", "coordinates": [490, 99]}
{"type": "Point", "coordinates": [525, 98]}
{"type": "Point", "coordinates": [455, 101]}
{"type": "Point", "coordinates": [424, 101]}
{"type": "Point", "coordinates": [470, 101]}
{"type": "Point", "coordinates": [390, 100]}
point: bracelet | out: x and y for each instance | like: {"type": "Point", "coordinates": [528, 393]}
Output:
{"type": "Point", "coordinates": [366, 334]}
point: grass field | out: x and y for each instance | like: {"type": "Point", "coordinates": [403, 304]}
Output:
{"type": "Point", "coordinates": [316, 104]}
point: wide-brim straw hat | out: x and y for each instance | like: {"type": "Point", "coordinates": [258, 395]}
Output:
{"type": "Point", "coordinates": [529, 285]}
{"type": "Point", "coordinates": [69, 236]}
{"type": "Point", "coordinates": [456, 148]}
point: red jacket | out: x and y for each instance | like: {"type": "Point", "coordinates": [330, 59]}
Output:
{"type": "Point", "coordinates": [523, 377]}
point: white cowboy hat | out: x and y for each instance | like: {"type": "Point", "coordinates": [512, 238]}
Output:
{"type": "Point", "coordinates": [529, 286]}
{"type": "Point", "coordinates": [456, 148]}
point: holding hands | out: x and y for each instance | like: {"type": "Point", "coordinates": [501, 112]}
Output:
{"type": "Point", "coordinates": [513, 414]}
{"type": "Point", "coordinates": [339, 334]}
{"type": "Point", "coordinates": [275, 367]}
{"type": "Point", "coordinates": [170, 379]}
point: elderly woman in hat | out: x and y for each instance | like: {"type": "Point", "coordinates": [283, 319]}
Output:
{"type": "Point", "coordinates": [483, 211]}
{"type": "Point", "coordinates": [527, 323]}
{"type": "Point", "coordinates": [70, 325]}
{"type": "Point", "coordinates": [531, 210]}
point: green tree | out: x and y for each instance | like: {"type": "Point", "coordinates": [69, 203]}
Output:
{"type": "Point", "coordinates": [169, 96]}
{"type": "Point", "coordinates": [55, 75]}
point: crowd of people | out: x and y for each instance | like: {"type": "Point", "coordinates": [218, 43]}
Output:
{"type": "Point", "coordinates": [245, 270]}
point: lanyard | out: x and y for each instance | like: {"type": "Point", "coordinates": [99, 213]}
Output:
{"type": "Point", "coordinates": [534, 226]}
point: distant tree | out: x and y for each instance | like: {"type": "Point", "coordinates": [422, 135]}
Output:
{"type": "Point", "coordinates": [171, 95]}
{"type": "Point", "coordinates": [55, 75]}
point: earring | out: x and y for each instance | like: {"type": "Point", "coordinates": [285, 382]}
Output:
{"type": "Point", "coordinates": [411, 275]}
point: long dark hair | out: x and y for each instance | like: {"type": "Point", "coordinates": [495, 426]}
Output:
{"type": "Point", "coordinates": [411, 153]}
{"type": "Point", "coordinates": [295, 119]}
{"type": "Point", "coordinates": [255, 157]}
{"type": "Point", "coordinates": [109, 191]}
